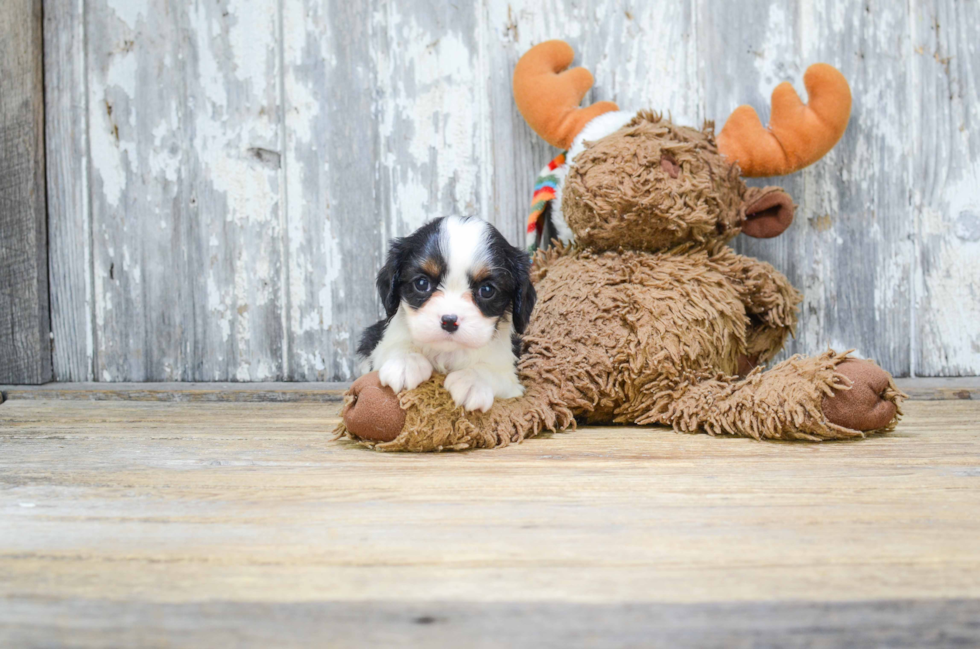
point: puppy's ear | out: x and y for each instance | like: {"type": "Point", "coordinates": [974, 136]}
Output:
{"type": "Point", "coordinates": [524, 293]}
{"type": "Point", "coordinates": [389, 278]}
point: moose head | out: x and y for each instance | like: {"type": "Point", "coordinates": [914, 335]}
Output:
{"type": "Point", "coordinates": [635, 180]}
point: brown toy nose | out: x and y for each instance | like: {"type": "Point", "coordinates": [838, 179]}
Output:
{"type": "Point", "coordinates": [450, 323]}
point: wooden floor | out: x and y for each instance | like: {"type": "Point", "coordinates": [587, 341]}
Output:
{"type": "Point", "coordinates": [217, 524]}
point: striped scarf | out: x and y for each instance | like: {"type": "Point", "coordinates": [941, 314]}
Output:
{"type": "Point", "coordinates": [545, 189]}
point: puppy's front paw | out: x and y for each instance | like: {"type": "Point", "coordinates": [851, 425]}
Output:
{"type": "Point", "coordinates": [470, 390]}
{"type": "Point", "coordinates": [405, 372]}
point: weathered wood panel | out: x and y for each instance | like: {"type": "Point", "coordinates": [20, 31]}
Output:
{"type": "Point", "coordinates": [25, 325]}
{"type": "Point", "coordinates": [257, 161]}
{"type": "Point", "coordinates": [336, 219]}
{"type": "Point", "coordinates": [184, 118]}
{"type": "Point", "coordinates": [431, 110]}
{"type": "Point", "coordinates": [945, 164]}
{"type": "Point", "coordinates": [69, 218]}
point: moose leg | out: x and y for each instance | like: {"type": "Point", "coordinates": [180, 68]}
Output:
{"type": "Point", "coordinates": [830, 396]}
{"type": "Point", "coordinates": [427, 419]}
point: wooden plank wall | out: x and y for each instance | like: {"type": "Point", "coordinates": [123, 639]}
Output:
{"type": "Point", "coordinates": [25, 348]}
{"type": "Point", "coordinates": [225, 175]}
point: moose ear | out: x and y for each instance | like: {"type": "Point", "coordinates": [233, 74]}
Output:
{"type": "Point", "coordinates": [768, 212]}
{"type": "Point", "coordinates": [389, 278]}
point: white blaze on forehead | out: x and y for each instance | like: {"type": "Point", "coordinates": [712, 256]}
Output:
{"type": "Point", "coordinates": [464, 247]}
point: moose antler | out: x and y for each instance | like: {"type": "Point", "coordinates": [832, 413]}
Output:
{"type": "Point", "coordinates": [548, 95]}
{"type": "Point", "coordinates": [798, 135]}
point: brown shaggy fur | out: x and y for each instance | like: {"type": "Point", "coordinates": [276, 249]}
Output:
{"type": "Point", "coordinates": [645, 319]}
{"type": "Point", "coordinates": [618, 194]}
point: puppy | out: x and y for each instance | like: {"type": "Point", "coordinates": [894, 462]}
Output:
{"type": "Point", "coordinates": [456, 296]}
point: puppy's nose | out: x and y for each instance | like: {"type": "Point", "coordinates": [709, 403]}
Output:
{"type": "Point", "coordinates": [450, 323]}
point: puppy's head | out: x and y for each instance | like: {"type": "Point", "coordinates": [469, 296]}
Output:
{"type": "Point", "coordinates": [459, 283]}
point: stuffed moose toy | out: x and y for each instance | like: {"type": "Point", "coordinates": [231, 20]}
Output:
{"type": "Point", "coordinates": [645, 315]}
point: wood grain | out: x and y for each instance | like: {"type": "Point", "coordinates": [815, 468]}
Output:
{"type": "Point", "coordinates": [25, 325]}
{"type": "Point", "coordinates": [336, 220]}
{"type": "Point", "coordinates": [226, 220]}
{"type": "Point", "coordinates": [452, 624]}
{"type": "Point", "coordinates": [313, 392]}
{"type": "Point", "coordinates": [184, 130]}
{"type": "Point", "coordinates": [932, 389]}
{"type": "Point", "coordinates": [179, 517]}
{"type": "Point", "coordinates": [69, 216]}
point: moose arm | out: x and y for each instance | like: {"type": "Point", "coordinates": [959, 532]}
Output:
{"type": "Point", "coordinates": [770, 301]}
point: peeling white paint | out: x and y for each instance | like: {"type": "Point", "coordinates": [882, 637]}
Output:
{"type": "Point", "coordinates": [209, 73]}
{"type": "Point", "coordinates": [164, 160]}
{"type": "Point", "coordinates": [302, 105]}
{"type": "Point", "coordinates": [948, 282]}
{"type": "Point", "coordinates": [429, 122]}
{"type": "Point", "coordinates": [128, 11]}
{"type": "Point", "coordinates": [111, 153]}
{"type": "Point", "coordinates": [252, 42]}
{"type": "Point", "coordinates": [771, 60]}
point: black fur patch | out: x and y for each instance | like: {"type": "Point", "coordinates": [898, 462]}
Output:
{"type": "Point", "coordinates": [517, 345]}
{"type": "Point", "coordinates": [371, 337]}
{"type": "Point", "coordinates": [406, 258]}
{"type": "Point", "coordinates": [411, 257]}
{"type": "Point", "coordinates": [510, 275]}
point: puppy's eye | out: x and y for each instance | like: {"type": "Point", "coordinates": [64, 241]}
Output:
{"type": "Point", "coordinates": [422, 284]}
{"type": "Point", "coordinates": [487, 291]}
